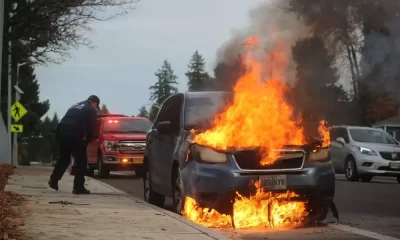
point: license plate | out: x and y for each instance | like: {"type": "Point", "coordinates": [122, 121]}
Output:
{"type": "Point", "coordinates": [137, 160]}
{"type": "Point", "coordinates": [273, 182]}
{"type": "Point", "coordinates": [394, 165]}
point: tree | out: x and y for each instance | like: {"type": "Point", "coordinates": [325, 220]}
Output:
{"type": "Point", "coordinates": [143, 112]}
{"type": "Point", "coordinates": [197, 76]}
{"type": "Point", "coordinates": [104, 109]}
{"type": "Point", "coordinates": [163, 88]}
{"type": "Point", "coordinates": [316, 90]}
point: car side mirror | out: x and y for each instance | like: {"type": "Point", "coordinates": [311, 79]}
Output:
{"type": "Point", "coordinates": [164, 127]}
{"type": "Point", "coordinates": [340, 140]}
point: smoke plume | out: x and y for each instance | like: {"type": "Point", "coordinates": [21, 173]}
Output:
{"type": "Point", "coordinates": [271, 24]}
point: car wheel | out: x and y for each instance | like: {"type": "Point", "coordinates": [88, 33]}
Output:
{"type": "Point", "coordinates": [398, 179]}
{"type": "Point", "coordinates": [178, 198]}
{"type": "Point", "coordinates": [149, 195]}
{"type": "Point", "coordinates": [90, 172]}
{"type": "Point", "coordinates": [351, 170]}
{"type": "Point", "coordinates": [322, 212]}
{"type": "Point", "coordinates": [366, 178]}
{"type": "Point", "coordinates": [103, 171]}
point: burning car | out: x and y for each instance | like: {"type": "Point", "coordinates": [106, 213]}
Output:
{"type": "Point", "coordinates": [241, 159]}
{"type": "Point", "coordinates": [206, 177]}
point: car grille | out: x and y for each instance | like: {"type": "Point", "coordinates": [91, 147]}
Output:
{"type": "Point", "coordinates": [131, 146]}
{"type": "Point", "coordinates": [250, 160]}
{"type": "Point", "coordinates": [393, 156]}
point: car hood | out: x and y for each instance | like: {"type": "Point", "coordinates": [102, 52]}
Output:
{"type": "Point", "coordinates": [380, 147]}
{"type": "Point", "coordinates": [125, 136]}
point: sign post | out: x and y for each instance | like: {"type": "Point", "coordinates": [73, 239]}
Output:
{"type": "Point", "coordinates": [17, 112]}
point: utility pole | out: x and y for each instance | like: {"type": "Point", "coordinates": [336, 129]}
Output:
{"type": "Point", "coordinates": [9, 102]}
{"type": "Point", "coordinates": [18, 91]}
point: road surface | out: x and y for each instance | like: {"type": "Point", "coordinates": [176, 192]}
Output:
{"type": "Point", "coordinates": [367, 211]}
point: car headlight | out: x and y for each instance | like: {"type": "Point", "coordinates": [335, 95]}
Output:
{"type": "Point", "coordinates": [207, 155]}
{"type": "Point", "coordinates": [367, 151]}
{"type": "Point", "coordinates": [319, 155]}
{"type": "Point", "coordinates": [111, 146]}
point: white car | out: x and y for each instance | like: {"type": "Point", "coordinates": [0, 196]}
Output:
{"type": "Point", "coordinates": [363, 152]}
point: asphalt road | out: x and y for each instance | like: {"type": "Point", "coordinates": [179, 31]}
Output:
{"type": "Point", "coordinates": [367, 211]}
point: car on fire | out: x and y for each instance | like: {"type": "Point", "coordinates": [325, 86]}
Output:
{"type": "Point", "coordinates": [119, 144]}
{"type": "Point", "coordinates": [176, 167]}
{"type": "Point", "coordinates": [364, 152]}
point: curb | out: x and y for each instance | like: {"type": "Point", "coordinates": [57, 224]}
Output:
{"type": "Point", "coordinates": [209, 232]}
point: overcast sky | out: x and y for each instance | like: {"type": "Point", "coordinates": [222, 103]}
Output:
{"type": "Point", "coordinates": [130, 49]}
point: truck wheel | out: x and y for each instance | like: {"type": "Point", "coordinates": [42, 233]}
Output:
{"type": "Point", "coordinates": [139, 171]}
{"type": "Point", "coordinates": [351, 170]}
{"type": "Point", "coordinates": [103, 171]}
{"type": "Point", "coordinates": [149, 195]}
{"type": "Point", "coordinates": [178, 198]}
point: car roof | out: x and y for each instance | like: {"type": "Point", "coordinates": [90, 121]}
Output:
{"type": "Point", "coordinates": [354, 127]}
{"type": "Point", "coordinates": [206, 94]}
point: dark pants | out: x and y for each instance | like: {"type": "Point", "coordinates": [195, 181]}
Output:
{"type": "Point", "coordinates": [77, 148]}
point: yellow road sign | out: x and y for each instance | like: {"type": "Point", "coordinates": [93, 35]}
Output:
{"type": "Point", "coordinates": [18, 111]}
{"type": "Point", "coordinates": [17, 128]}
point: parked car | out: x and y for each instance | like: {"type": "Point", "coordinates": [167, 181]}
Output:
{"type": "Point", "coordinates": [119, 145]}
{"type": "Point", "coordinates": [212, 177]}
{"type": "Point", "coordinates": [364, 152]}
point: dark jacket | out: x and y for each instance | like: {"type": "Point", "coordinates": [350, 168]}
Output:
{"type": "Point", "coordinates": [79, 122]}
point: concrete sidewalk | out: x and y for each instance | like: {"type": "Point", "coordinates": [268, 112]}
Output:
{"type": "Point", "coordinates": [110, 215]}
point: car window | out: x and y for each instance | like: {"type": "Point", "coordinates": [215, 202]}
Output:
{"type": "Point", "coordinates": [344, 134]}
{"type": "Point", "coordinates": [371, 136]}
{"type": "Point", "coordinates": [171, 111]}
{"type": "Point", "coordinates": [334, 134]}
{"type": "Point", "coordinates": [126, 126]}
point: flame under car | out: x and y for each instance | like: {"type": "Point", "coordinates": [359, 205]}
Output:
{"type": "Point", "coordinates": [214, 178]}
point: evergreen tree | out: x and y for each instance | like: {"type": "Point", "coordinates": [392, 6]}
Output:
{"type": "Point", "coordinates": [163, 88]}
{"type": "Point", "coordinates": [197, 76]}
{"type": "Point", "coordinates": [104, 109]}
{"type": "Point", "coordinates": [316, 90]}
{"type": "Point", "coordinates": [143, 112]}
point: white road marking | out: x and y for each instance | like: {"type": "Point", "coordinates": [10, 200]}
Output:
{"type": "Point", "coordinates": [362, 232]}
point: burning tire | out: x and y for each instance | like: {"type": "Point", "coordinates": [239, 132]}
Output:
{"type": "Point", "coordinates": [149, 195]}
{"type": "Point", "coordinates": [178, 196]}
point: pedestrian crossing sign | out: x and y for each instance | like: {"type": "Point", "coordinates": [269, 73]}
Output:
{"type": "Point", "coordinates": [18, 111]}
{"type": "Point", "coordinates": [17, 128]}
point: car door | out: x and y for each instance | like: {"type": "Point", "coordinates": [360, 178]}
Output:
{"type": "Point", "coordinates": [93, 146]}
{"type": "Point", "coordinates": [154, 140]}
{"type": "Point", "coordinates": [169, 141]}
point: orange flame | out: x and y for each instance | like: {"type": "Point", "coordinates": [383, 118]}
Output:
{"type": "Point", "coordinates": [264, 209]}
{"type": "Point", "coordinates": [323, 130]}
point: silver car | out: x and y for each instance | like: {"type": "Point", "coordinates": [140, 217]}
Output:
{"type": "Point", "coordinates": [363, 152]}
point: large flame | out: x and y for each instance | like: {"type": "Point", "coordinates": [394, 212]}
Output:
{"type": "Point", "coordinates": [264, 209]}
{"type": "Point", "coordinates": [259, 116]}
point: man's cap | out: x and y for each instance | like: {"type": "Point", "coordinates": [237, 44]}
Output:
{"type": "Point", "coordinates": [96, 99]}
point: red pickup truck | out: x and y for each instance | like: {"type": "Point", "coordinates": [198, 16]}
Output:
{"type": "Point", "coordinates": [119, 145]}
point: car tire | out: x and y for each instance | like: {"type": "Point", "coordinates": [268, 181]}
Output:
{"type": "Point", "coordinates": [103, 171]}
{"type": "Point", "coordinates": [366, 178]}
{"type": "Point", "coordinates": [398, 179]}
{"type": "Point", "coordinates": [351, 170]}
{"type": "Point", "coordinates": [178, 197]}
{"type": "Point", "coordinates": [149, 195]}
{"type": "Point", "coordinates": [322, 212]}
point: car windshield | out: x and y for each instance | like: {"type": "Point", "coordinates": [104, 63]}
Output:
{"type": "Point", "coordinates": [126, 126]}
{"type": "Point", "coordinates": [200, 111]}
{"type": "Point", "coordinates": [371, 136]}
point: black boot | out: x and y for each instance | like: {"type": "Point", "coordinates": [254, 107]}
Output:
{"type": "Point", "coordinates": [80, 190]}
{"type": "Point", "coordinates": [53, 184]}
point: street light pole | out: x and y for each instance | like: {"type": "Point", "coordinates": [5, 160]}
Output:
{"type": "Point", "coordinates": [15, 140]}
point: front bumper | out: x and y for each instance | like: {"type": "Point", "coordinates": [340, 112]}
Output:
{"type": "Point", "coordinates": [214, 186]}
{"type": "Point", "coordinates": [117, 162]}
{"type": "Point", "coordinates": [377, 166]}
